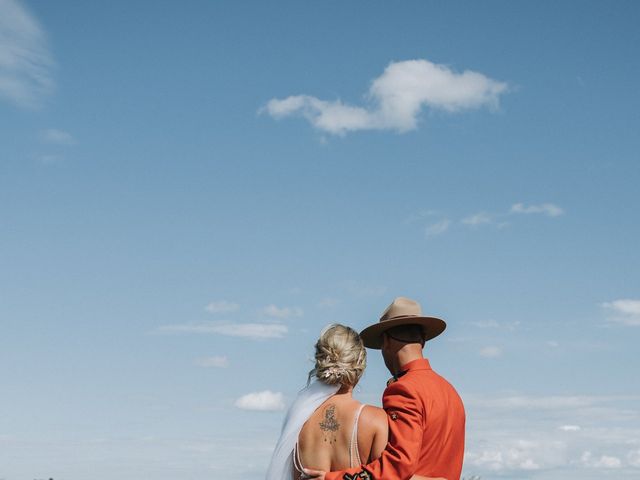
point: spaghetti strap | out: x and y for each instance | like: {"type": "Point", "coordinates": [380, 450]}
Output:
{"type": "Point", "coordinates": [353, 444]}
{"type": "Point", "coordinates": [354, 453]}
{"type": "Point", "coordinates": [297, 462]}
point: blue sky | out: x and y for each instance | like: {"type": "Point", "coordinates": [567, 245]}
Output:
{"type": "Point", "coordinates": [190, 192]}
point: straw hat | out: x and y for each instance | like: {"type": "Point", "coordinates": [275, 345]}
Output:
{"type": "Point", "coordinates": [402, 311]}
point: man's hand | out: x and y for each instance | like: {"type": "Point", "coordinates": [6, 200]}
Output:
{"type": "Point", "coordinates": [319, 475]}
{"type": "Point", "coordinates": [313, 474]}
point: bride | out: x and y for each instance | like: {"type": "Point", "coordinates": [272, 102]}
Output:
{"type": "Point", "coordinates": [326, 428]}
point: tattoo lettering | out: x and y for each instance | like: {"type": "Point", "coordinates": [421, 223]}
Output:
{"type": "Point", "coordinates": [330, 425]}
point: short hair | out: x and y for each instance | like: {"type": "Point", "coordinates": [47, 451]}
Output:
{"type": "Point", "coordinates": [340, 356]}
{"type": "Point", "coordinates": [407, 333]}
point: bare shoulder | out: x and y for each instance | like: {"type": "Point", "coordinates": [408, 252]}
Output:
{"type": "Point", "coordinates": [374, 431]}
{"type": "Point", "coordinates": [373, 417]}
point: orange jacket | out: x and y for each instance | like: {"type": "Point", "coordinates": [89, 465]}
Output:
{"type": "Point", "coordinates": [426, 429]}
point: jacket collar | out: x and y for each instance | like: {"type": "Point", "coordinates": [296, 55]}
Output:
{"type": "Point", "coordinates": [419, 364]}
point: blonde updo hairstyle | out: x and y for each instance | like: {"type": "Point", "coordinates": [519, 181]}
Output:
{"type": "Point", "coordinates": [340, 356]}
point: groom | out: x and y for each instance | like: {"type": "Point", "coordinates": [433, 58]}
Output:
{"type": "Point", "coordinates": [426, 416]}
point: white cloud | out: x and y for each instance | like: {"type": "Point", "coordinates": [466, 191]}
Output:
{"type": "Point", "coordinates": [548, 209]}
{"type": "Point", "coordinates": [397, 98]}
{"type": "Point", "coordinates": [624, 311]}
{"type": "Point", "coordinates": [437, 228]}
{"type": "Point", "coordinates": [546, 437]}
{"type": "Point", "coordinates": [485, 324]}
{"type": "Point", "coordinates": [481, 218]}
{"type": "Point", "coordinates": [221, 306]}
{"type": "Point", "coordinates": [25, 60]}
{"type": "Point", "coordinates": [626, 307]}
{"type": "Point", "coordinates": [491, 352]}
{"type": "Point", "coordinates": [494, 324]}
{"type": "Point", "coordinates": [58, 137]}
{"type": "Point", "coordinates": [569, 428]}
{"type": "Point", "coordinates": [516, 454]}
{"type": "Point", "coordinates": [421, 215]}
{"type": "Point", "coordinates": [220, 361]}
{"type": "Point", "coordinates": [255, 331]}
{"type": "Point", "coordinates": [262, 401]}
{"type": "Point", "coordinates": [282, 312]}
{"type": "Point", "coordinates": [604, 461]}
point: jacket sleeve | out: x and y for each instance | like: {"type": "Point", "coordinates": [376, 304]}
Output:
{"type": "Point", "coordinates": [400, 458]}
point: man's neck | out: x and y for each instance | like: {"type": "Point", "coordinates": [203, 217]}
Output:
{"type": "Point", "coordinates": [407, 354]}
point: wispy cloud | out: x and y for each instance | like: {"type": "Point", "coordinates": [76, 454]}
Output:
{"type": "Point", "coordinates": [623, 311]}
{"type": "Point", "coordinates": [498, 219]}
{"type": "Point", "coordinates": [25, 60]}
{"type": "Point", "coordinates": [257, 331]}
{"type": "Point", "coordinates": [548, 209]}
{"type": "Point", "coordinates": [418, 216]}
{"type": "Point", "coordinates": [475, 220]}
{"type": "Point", "coordinates": [517, 454]}
{"type": "Point", "coordinates": [57, 137]}
{"type": "Point", "coordinates": [262, 401]}
{"type": "Point", "coordinates": [221, 306]}
{"type": "Point", "coordinates": [396, 99]}
{"type": "Point", "coordinates": [509, 436]}
{"type": "Point", "coordinates": [633, 457]}
{"type": "Point", "coordinates": [569, 428]}
{"type": "Point", "coordinates": [556, 436]}
{"type": "Point", "coordinates": [217, 361]}
{"type": "Point", "coordinates": [491, 352]}
{"type": "Point", "coordinates": [602, 461]}
{"type": "Point", "coordinates": [485, 324]}
{"type": "Point", "coordinates": [437, 228]}
{"type": "Point", "coordinates": [511, 326]}
{"type": "Point", "coordinates": [282, 312]}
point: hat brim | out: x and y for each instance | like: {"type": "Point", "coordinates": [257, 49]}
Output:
{"type": "Point", "coordinates": [372, 335]}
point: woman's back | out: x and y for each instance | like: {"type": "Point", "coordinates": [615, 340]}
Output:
{"type": "Point", "coordinates": [340, 434]}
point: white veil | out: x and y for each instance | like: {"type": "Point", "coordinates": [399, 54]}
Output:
{"type": "Point", "coordinates": [307, 401]}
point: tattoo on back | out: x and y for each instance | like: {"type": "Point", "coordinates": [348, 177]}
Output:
{"type": "Point", "coordinates": [330, 425]}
